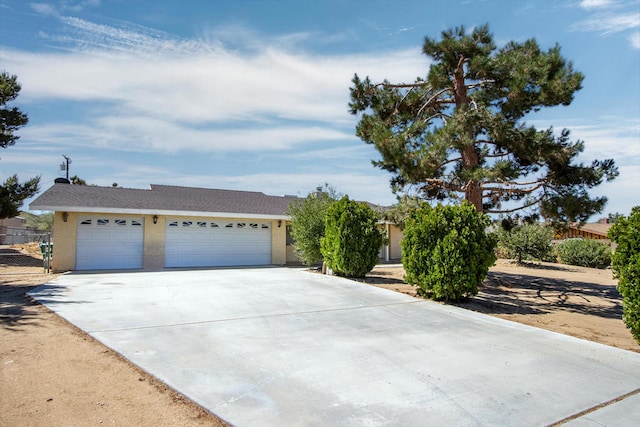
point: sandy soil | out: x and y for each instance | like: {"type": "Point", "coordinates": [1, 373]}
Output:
{"type": "Point", "coordinates": [577, 301]}
{"type": "Point", "coordinates": [51, 373]}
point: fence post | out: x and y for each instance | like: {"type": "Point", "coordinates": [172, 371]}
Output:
{"type": "Point", "coordinates": [49, 252]}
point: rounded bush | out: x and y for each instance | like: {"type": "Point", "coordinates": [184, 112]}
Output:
{"type": "Point", "coordinates": [626, 266]}
{"type": "Point", "coordinates": [584, 253]}
{"type": "Point", "coordinates": [352, 242]}
{"type": "Point", "coordinates": [446, 251]}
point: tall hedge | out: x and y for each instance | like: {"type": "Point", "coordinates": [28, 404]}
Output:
{"type": "Point", "coordinates": [352, 242]}
{"type": "Point", "coordinates": [446, 251]}
{"type": "Point", "coordinates": [625, 262]}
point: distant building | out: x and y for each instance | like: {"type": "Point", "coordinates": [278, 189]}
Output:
{"type": "Point", "coordinates": [594, 230]}
{"type": "Point", "coordinates": [14, 230]}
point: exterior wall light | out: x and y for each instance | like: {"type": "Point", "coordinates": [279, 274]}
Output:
{"type": "Point", "coordinates": [155, 219]}
{"type": "Point", "coordinates": [279, 223]}
{"type": "Point", "coordinates": [65, 216]}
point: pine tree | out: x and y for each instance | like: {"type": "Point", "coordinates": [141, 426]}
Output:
{"type": "Point", "coordinates": [12, 192]}
{"type": "Point", "coordinates": [460, 133]}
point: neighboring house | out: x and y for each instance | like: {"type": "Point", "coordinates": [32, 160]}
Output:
{"type": "Point", "coordinates": [102, 228]}
{"type": "Point", "coordinates": [595, 230]}
{"type": "Point", "coordinates": [14, 230]}
{"type": "Point", "coordinates": [392, 251]}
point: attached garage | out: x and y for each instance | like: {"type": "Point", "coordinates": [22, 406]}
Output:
{"type": "Point", "coordinates": [108, 228]}
{"type": "Point", "coordinates": [215, 243]}
{"type": "Point", "coordinates": [109, 242]}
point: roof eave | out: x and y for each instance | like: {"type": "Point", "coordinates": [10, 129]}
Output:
{"type": "Point", "coordinates": [158, 212]}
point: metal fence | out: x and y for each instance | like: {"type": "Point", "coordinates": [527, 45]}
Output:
{"type": "Point", "coordinates": [25, 253]}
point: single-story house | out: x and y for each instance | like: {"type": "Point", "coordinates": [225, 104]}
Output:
{"type": "Point", "coordinates": [14, 230]}
{"type": "Point", "coordinates": [592, 230]}
{"type": "Point", "coordinates": [98, 228]}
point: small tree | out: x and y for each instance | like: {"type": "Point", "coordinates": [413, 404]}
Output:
{"type": "Point", "coordinates": [527, 241]}
{"type": "Point", "coordinates": [399, 212]}
{"type": "Point", "coordinates": [13, 193]}
{"type": "Point", "coordinates": [626, 266]}
{"type": "Point", "coordinates": [446, 251]}
{"type": "Point", "coordinates": [308, 222]}
{"type": "Point", "coordinates": [42, 222]}
{"type": "Point", "coordinates": [352, 242]}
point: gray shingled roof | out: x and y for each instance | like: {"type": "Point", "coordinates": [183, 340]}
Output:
{"type": "Point", "coordinates": [162, 199]}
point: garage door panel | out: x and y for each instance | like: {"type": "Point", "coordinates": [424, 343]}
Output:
{"type": "Point", "coordinates": [217, 243]}
{"type": "Point", "coordinates": [109, 243]}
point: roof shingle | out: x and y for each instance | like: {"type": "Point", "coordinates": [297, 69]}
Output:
{"type": "Point", "coordinates": [159, 198]}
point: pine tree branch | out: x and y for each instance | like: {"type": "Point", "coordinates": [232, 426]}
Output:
{"type": "Point", "coordinates": [508, 211]}
{"type": "Point", "coordinates": [510, 190]}
{"type": "Point", "coordinates": [401, 85]}
{"type": "Point", "coordinates": [433, 182]}
{"type": "Point", "coordinates": [538, 182]}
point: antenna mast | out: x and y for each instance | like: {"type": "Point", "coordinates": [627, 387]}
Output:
{"type": "Point", "coordinates": [65, 165]}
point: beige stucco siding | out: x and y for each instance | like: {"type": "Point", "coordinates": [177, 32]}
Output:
{"type": "Point", "coordinates": [153, 243]}
{"type": "Point", "coordinates": [64, 242]}
{"type": "Point", "coordinates": [278, 242]}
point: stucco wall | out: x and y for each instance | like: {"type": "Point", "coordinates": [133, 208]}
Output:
{"type": "Point", "coordinates": [153, 243]}
{"type": "Point", "coordinates": [278, 242]}
{"type": "Point", "coordinates": [64, 242]}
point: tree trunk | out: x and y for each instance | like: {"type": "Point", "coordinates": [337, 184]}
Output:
{"type": "Point", "coordinates": [473, 194]}
{"type": "Point", "coordinates": [470, 158]}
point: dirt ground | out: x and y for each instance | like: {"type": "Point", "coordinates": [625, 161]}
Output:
{"type": "Point", "coordinates": [577, 301]}
{"type": "Point", "coordinates": [51, 373]}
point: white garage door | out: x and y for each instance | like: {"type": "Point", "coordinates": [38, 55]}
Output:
{"type": "Point", "coordinates": [200, 243]}
{"type": "Point", "coordinates": [107, 243]}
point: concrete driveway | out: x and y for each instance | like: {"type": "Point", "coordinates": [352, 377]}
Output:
{"type": "Point", "coordinates": [285, 347]}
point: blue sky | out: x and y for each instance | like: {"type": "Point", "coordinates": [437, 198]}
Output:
{"type": "Point", "coordinates": [252, 95]}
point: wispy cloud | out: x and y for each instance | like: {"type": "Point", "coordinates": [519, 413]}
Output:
{"type": "Point", "coordinates": [610, 17]}
{"type": "Point", "coordinates": [609, 23]}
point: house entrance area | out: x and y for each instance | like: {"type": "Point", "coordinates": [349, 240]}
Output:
{"type": "Point", "coordinates": [217, 243]}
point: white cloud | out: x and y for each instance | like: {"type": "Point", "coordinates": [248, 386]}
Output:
{"type": "Point", "coordinates": [596, 4]}
{"type": "Point", "coordinates": [634, 38]}
{"type": "Point", "coordinates": [212, 86]}
{"type": "Point", "coordinates": [141, 134]}
{"type": "Point", "coordinates": [166, 94]}
{"type": "Point", "coordinates": [44, 9]}
{"type": "Point", "coordinates": [54, 10]}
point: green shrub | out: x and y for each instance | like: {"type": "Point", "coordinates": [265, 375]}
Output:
{"type": "Point", "coordinates": [526, 242]}
{"type": "Point", "coordinates": [446, 251]}
{"type": "Point", "coordinates": [307, 224]}
{"type": "Point", "coordinates": [584, 253]}
{"type": "Point", "coordinates": [626, 266]}
{"type": "Point", "coordinates": [352, 242]}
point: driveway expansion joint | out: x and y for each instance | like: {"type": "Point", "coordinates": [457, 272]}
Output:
{"type": "Point", "coordinates": [266, 316]}
{"type": "Point", "coordinates": [596, 408]}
